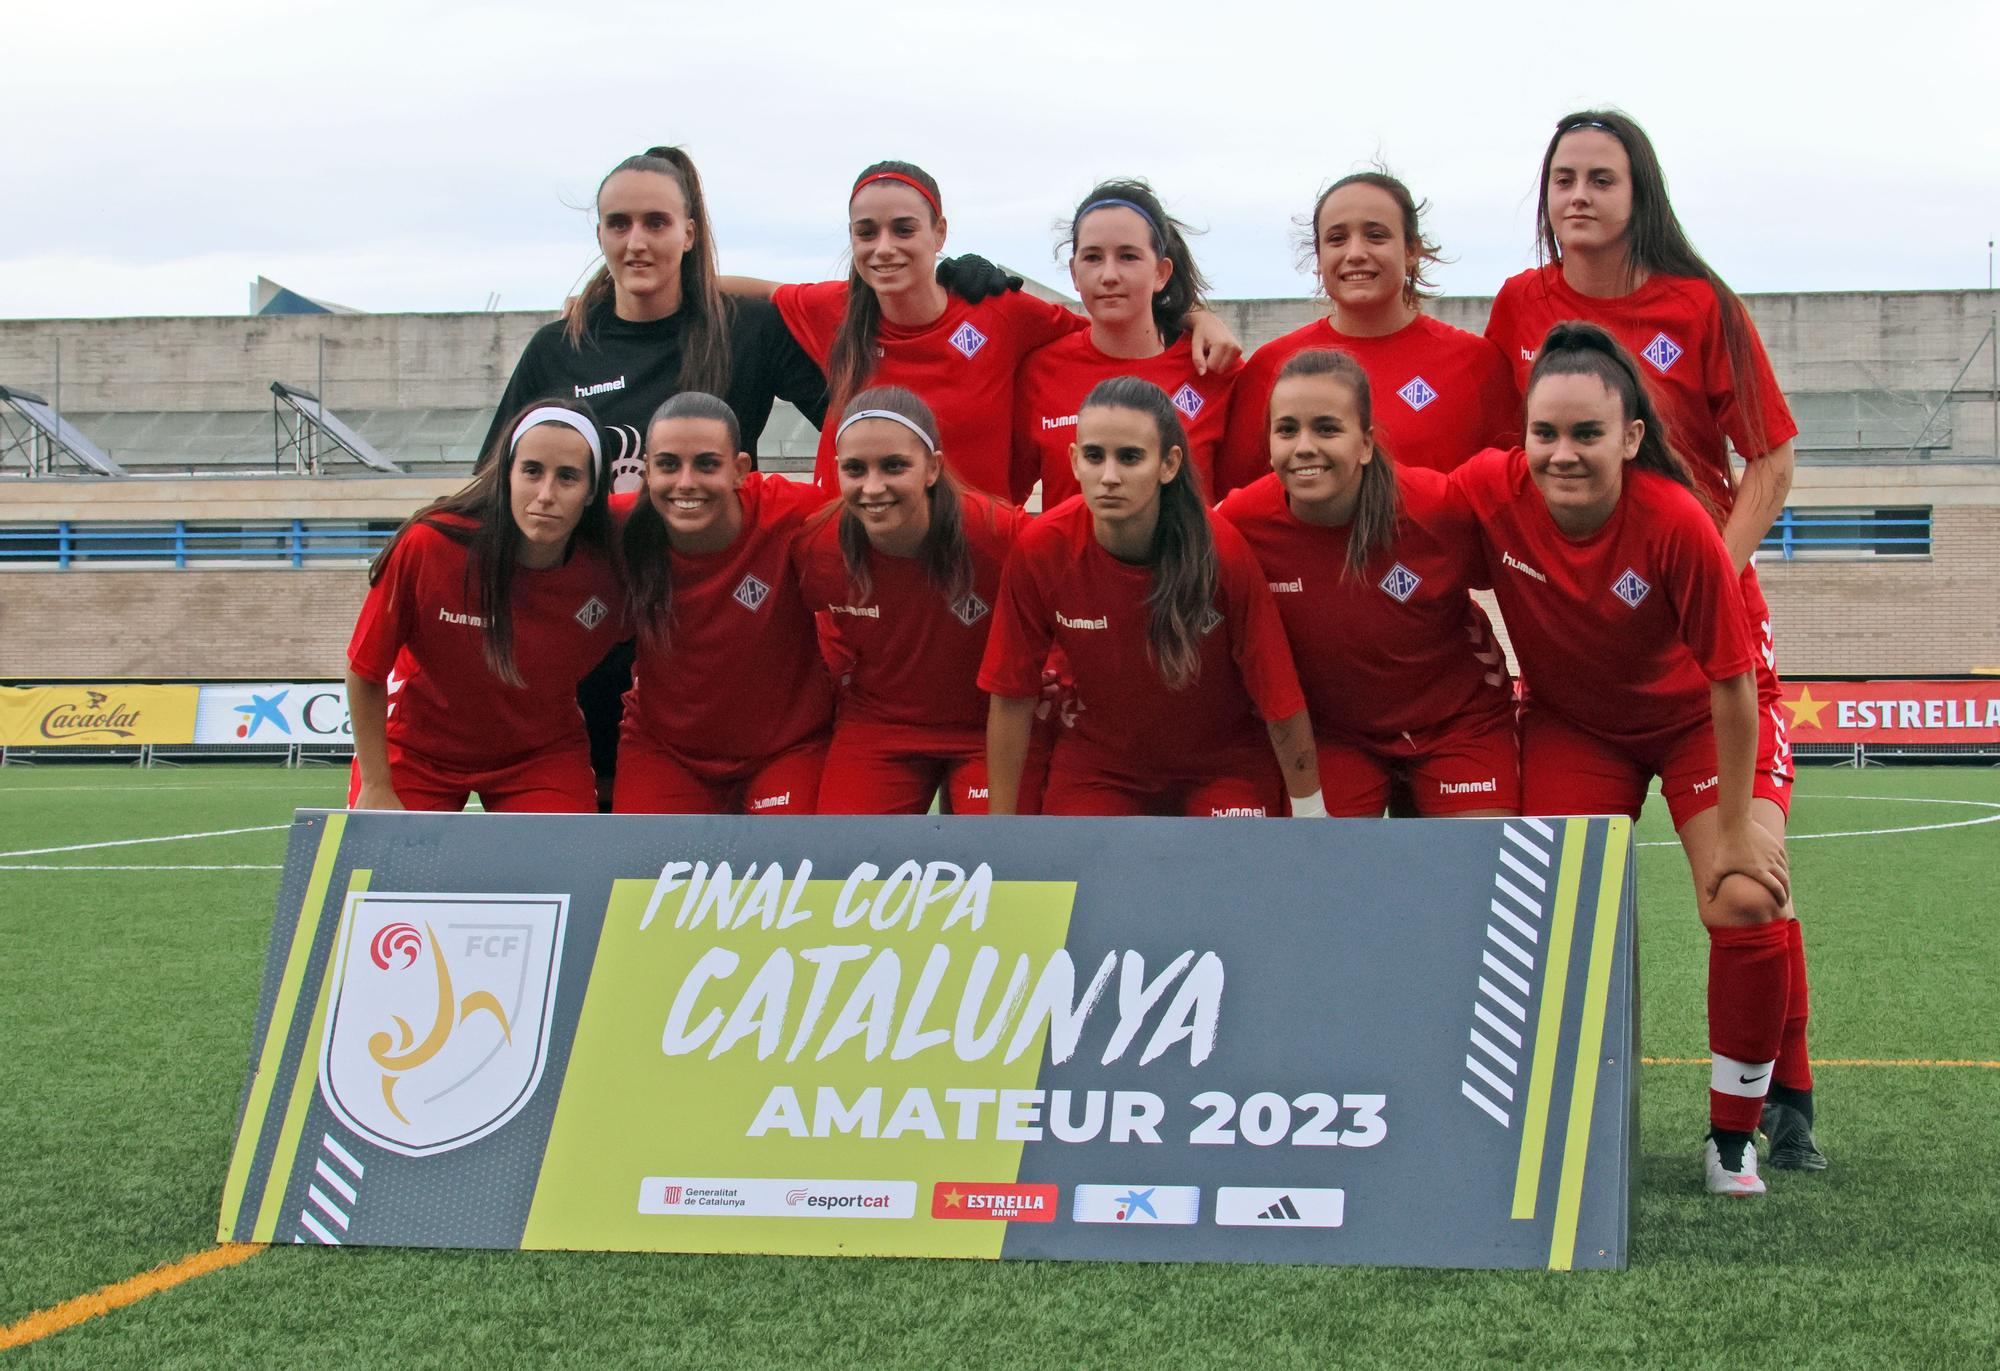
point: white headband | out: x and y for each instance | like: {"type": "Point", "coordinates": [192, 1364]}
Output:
{"type": "Point", "coordinates": [930, 443]}
{"type": "Point", "coordinates": [569, 418]}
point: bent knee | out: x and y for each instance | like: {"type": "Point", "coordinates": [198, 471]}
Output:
{"type": "Point", "coordinates": [1741, 903]}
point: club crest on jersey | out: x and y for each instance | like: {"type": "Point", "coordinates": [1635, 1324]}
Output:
{"type": "Point", "coordinates": [1630, 588]}
{"type": "Point", "coordinates": [1417, 392]}
{"type": "Point", "coordinates": [1662, 352]}
{"type": "Point", "coordinates": [970, 609]}
{"type": "Point", "coordinates": [592, 612]}
{"type": "Point", "coordinates": [967, 339]}
{"type": "Point", "coordinates": [1188, 400]}
{"type": "Point", "coordinates": [1211, 620]}
{"type": "Point", "coordinates": [1401, 583]}
{"type": "Point", "coordinates": [751, 593]}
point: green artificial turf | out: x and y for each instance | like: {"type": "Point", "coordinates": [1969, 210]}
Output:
{"type": "Point", "coordinates": [126, 1005]}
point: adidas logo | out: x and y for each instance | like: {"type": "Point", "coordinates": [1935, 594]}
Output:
{"type": "Point", "coordinates": [1283, 1210]}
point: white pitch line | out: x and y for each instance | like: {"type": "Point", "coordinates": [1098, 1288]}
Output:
{"type": "Point", "coordinates": [30, 791]}
{"type": "Point", "coordinates": [1993, 818]}
{"type": "Point", "coordinates": [25, 866]}
{"type": "Point", "coordinates": [134, 842]}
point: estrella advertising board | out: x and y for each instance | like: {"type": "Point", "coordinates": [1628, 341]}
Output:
{"type": "Point", "coordinates": [1892, 711]}
{"type": "Point", "coordinates": [107, 715]}
{"type": "Point", "coordinates": [1155, 1039]}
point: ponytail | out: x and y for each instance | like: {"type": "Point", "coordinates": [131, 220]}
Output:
{"type": "Point", "coordinates": [1378, 506]}
{"type": "Point", "coordinates": [1582, 349]}
{"type": "Point", "coordinates": [851, 360]}
{"type": "Point", "coordinates": [705, 326]}
{"type": "Point", "coordinates": [645, 558]}
{"type": "Point", "coordinates": [1181, 603]}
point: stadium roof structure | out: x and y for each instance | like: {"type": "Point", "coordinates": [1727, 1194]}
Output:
{"type": "Point", "coordinates": [305, 427]}
{"type": "Point", "coordinates": [268, 297]}
{"type": "Point", "coordinates": [44, 437]}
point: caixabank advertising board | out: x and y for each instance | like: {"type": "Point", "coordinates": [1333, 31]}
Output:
{"type": "Point", "coordinates": [1161, 1040]}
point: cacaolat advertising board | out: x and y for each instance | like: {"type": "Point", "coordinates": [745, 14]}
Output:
{"type": "Point", "coordinates": [1157, 1039]}
{"type": "Point", "coordinates": [97, 715]}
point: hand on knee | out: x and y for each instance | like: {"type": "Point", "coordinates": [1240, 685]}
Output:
{"type": "Point", "coordinates": [1740, 902]}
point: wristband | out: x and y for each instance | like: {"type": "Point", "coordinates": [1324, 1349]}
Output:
{"type": "Point", "coordinates": [1311, 806]}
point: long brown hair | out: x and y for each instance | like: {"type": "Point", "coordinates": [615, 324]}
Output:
{"type": "Point", "coordinates": [851, 360]}
{"type": "Point", "coordinates": [1186, 286]}
{"type": "Point", "coordinates": [946, 553]}
{"type": "Point", "coordinates": [1373, 528]}
{"type": "Point", "coordinates": [1656, 244]}
{"type": "Point", "coordinates": [645, 556]}
{"type": "Point", "coordinates": [1577, 348]}
{"type": "Point", "coordinates": [493, 542]}
{"type": "Point", "coordinates": [705, 330]}
{"type": "Point", "coordinates": [1417, 285]}
{"type": "Point", "coordinates": [1182, 600]}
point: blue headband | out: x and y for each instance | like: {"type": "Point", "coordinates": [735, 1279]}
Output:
{"type": "Point", "coordinates": [1159, 238]}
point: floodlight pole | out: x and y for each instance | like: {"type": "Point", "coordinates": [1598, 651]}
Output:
{"type": "Point", "coordinates": [321, 392]}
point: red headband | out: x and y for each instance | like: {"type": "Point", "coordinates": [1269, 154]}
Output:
{"type": "Point", "coordinates": [910, 181]}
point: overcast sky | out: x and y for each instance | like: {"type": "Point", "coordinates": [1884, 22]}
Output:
{"type": "Point", "coordinates": [422, 155]}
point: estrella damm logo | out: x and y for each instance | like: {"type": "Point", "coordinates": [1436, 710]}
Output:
{"type": "Point", "coordinates": [439, 1024]}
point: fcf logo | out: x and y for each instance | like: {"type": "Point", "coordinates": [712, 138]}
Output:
{"type": "Point", "coordinates": [439, 1024]}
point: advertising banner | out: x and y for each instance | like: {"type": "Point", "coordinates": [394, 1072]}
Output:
{"type": "Point", "coordinates": [275, 713]}
{"type": "Point", "coordinates": [96, 715]}
{"type": "Point", "coordinates": [1892, 711]}
{"type": "Point", "coordinates": [1150, 1039]}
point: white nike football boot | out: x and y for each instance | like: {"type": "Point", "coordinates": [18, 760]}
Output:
{"type": "Point", "coordinates": [1721, 1180]}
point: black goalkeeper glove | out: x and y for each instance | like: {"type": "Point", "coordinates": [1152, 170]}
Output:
{"type": "Point", "coordinates": [972, 278]}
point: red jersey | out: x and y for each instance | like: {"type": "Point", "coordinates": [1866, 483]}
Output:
{"type": "Point", "coordinates": [1062, 588]}
{"type": "Point", "coordinates": [916, 658]}
{"type": "Point", "coordinates": [1402, 647]}
{"type": "Point", "coordinates": [741, 676]}
{"type": "Point", "coordinates": [1620, 633]}
{"type": "Point", "coordinates": [1439, 395]}
{"type": "Point", "coordinates": [1053, 381]}
{"type": "Point", "coordinates": [962, 364]}
{"type": "Point", "coordinates": [1673, 325]}
{"type": "Point", "coordinates": [422, 622]}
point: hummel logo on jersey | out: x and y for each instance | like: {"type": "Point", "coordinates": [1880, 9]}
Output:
{"type": "Point", "coordinates": [1401, 583]}
{"type": "Point", "coordinates": [967, 339]}
{"type": "Point", "coordinates": [1417, 392]}
{"type": "Point", "coordinates": [752, 593]}
{"type": "Point", "coordinates": [592, 612]}
{"type": "Point", "coordinates": [1210, 621]}
{"type": "Point", "coordinates": [970, 610]}
{"type": "Point", "coordinates": [1508, 559]}
{"type": "Point", "coordinates": [1297, 587]}
{"type": "Point", "coordinates": [1067, 622]}
{"type": "Point", "coordinates": [1630, 588]}
{"type": "Point", "coordinates": [1188, 400]}
{"type": "Point", "coordinates": [468, 620]}
{"type": "Point", "coordinates": [1662, 352]}
{"type": "Point", "coordinates": [585, 392]}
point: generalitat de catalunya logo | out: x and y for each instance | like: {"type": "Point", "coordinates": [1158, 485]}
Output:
{"type": "Point", "coordinates": [439, 1024]}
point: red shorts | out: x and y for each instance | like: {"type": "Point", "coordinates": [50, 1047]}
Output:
{"type": "Point", "coordinates": [653, 779]}
{"type": "Point", "coordinates": [1470, 763]}
{"type": "Point", "coordinates": [555, 782]}
{"type": "Point", "coordinates": [873, 770]}
{"type": "Point", "coordinates": [1242, 787]}
{"type": "Point", "coordinates": [1565, 770]}
{"type": "Point", "coordinates": [1771, 737]}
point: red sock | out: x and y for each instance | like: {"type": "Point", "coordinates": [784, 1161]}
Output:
{"type": "Point", "coordinates": [1794, 1069]}
{"type": "Point", "coordinates": [1748, 969]}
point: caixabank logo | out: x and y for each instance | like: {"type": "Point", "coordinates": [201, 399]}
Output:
{"type": "Point", "coordinates": [439, 1025]}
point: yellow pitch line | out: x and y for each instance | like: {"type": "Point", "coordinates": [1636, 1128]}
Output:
{"type": "Point", "coordinates": [1841, 1061]}
{"type": "Point", "coordinates": [70, 1313]}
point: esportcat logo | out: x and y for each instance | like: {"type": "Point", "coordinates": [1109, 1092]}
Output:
{"type": "Point", "coordinates": [439, 1023]}
{"type": "Point", "coordinates": [762, 1197]}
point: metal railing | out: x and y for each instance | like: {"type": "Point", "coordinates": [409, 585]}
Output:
{"type": "Point", "coordinates": [1857, 532]}
{"type": "Point", "coordinates": [179, 544]}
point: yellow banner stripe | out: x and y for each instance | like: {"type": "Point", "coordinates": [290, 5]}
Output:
{"type": "Point", "coordinates": [303, 1082]}
{"type": "Point", "coordinates": [45, 1322]}
{"type": "Point", "coordinates": [251, 1131]}
{"type": "Point", "coordinates": [1548, 1026]}
{"type": "Point", "coordinates": [1590, 1043]}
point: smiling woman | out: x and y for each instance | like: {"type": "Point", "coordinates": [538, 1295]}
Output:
{"type": "Point", "coordinates": [482, 615]}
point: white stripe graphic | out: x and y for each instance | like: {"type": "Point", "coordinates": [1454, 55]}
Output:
{"type": "Point", "coordinates": [1494, 1022]}
{"type": "Point", "coordinates": [317, 1229]}
{"type": "Point", "coordinates": [1485, 1045]}
{"type": "Point", "coordinates": [345, 1157]}
{"type": "Point", "coordinates": [1548, 834]}
{"type": "Point", "coordinates": [1517, 923]}
{"type": "Point", "coordinates": [1478, 1068]}
{"type": "Point", "coordinates": [327, 1174]}
{"type": "Point", "coordinates": [1522, 870]}
{"type": "Point", "coordinates": [1501, 999]}
{"type": "Point", "coordinates": [1534, 907]}
{"type": "Point", "coordinates": [1514, 836]}
{"type": "Point", "coordinates": [1465, 1088]}
{"type": "Point", "coordinates": [1505, 972]}
{"type": "Point", "coordinates": [333, 1211]}
{"type": "Point", "coordinates": [1510, 947]}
